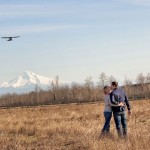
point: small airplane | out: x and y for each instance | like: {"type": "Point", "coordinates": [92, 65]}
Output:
{"type": "Point", "coordinates": [10, 38]}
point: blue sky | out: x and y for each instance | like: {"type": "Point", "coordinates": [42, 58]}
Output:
{"type": "Point", "coordinates": [75, 38]}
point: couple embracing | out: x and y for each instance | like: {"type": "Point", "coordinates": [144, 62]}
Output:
{"type": "Point", "coordinates": [115, 103]}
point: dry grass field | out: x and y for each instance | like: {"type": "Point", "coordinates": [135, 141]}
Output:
{"type": "Point", "coordinates": [71, 127]}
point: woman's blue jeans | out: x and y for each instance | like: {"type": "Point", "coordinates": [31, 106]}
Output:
{"type": "Point", "coordinates": [106, 128]}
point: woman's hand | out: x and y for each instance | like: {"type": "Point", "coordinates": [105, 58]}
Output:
{"type": "Point", "coordinates": [121, 104]}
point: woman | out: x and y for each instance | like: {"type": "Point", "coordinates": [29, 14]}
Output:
{"type": "Point", "coordinates": [107, 111]}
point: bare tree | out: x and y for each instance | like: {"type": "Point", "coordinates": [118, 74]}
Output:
{"type": "Point", "coordinates": [55, 88]}
{"type": "Point", "coordinates": [89, 85]}
{"type": "Point", "coordinates": [140, 79]}
{"type": "Point", "coordinates": [148, 78]}
{"type": "Point", "coordinates": [57, 81]}
{"type": "Point", "coordinates": [128, 86]}
{"type": "Point", "coordinates": [88, 82]}
{"type": "Point", "coordinates": [103, 80]}
{"type": "Point", "coordinates": [127, 82]}
{"type": "Point", "coordinates": [37, 89]}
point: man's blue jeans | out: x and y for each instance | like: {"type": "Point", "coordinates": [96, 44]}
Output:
{"type": "Point", "coordinates": [106, 128]}
{"type": "Point", "coordinates": [120, 120]}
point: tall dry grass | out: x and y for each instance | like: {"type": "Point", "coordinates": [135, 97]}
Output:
{"type": "Point", "coordinates": [71, 127]}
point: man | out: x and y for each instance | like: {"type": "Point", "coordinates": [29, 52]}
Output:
{"type": "Point", "coordinates": [119, 113]}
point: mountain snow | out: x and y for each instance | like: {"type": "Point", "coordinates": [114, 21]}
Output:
{"type": "Point", "coordinates": [26, 82]}
{"type": "Point", "coordinates": [27, 78]}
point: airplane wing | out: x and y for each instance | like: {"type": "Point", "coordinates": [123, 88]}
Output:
{"type": "Point", "coordinates": [15, 36]}
{"type": "Point", "coordinates": [11, 37]}
{"type": "Point", "coordinates": [5, 37]}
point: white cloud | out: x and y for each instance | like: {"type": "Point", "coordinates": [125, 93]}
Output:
{"type": "Point", "coordinates": [137, 2]}
{"type": "Point", "coordinates": [36, 29]}
{"type": "Point", "coordinates": [10, 11]}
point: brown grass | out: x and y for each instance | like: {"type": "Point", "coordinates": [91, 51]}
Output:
{"type": "Point", "coordinates": [71, 127]}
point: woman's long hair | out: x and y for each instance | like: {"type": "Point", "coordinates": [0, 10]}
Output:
{"type": "Point", "coordinates": [104, 89]}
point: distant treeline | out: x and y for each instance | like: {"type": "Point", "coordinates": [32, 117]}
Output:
{"type": "Point", "coordinates": [77, 93]}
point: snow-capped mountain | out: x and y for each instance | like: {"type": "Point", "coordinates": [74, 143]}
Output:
{"type": "Point", "coordinates": [27, 78]}
{"type": "Point", "coordinates": [26, 82]}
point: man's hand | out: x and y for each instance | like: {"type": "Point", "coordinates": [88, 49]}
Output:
{"type": "Point", "coordinates": [129, 112]}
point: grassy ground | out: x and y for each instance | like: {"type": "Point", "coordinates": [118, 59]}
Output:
{"type": "Point", "coordinates": [71, 127]}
